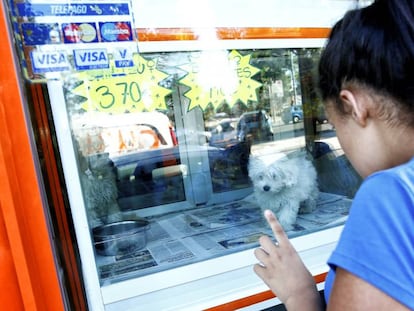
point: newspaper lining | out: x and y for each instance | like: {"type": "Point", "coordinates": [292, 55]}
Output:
{"type": "Point", "coordinates": [184, 237]}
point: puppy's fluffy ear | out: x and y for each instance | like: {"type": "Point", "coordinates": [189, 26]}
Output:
{"type": "Point", "coordinates": [290, 178]}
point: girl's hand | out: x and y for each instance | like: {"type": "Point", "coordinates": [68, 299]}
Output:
{"type": "Point", "coordinates": [281, 268]}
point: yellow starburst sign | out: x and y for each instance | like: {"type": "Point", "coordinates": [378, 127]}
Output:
{"type": "Point", "coordinates": [133, 89]}
{"type": "Point", "coordinates": [217, 77]}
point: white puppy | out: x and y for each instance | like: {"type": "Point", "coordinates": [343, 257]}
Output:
{"type": "Point", "coordinates": [285, 186]}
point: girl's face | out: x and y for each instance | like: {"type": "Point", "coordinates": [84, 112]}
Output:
{"type": "Point", "coordinates": [366, 137]}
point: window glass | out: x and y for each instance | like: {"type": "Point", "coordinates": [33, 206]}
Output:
{"type": "Point", "coordinates": [169, 184]}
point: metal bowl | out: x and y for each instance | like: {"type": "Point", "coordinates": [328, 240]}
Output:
{"type": "Point", "coordinates": [120, 238]}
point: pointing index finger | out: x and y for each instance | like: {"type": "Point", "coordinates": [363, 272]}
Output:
{"type": "Point", "coordinates": [276, 227]}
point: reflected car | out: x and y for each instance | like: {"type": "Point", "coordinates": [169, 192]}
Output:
{"type": "Point", "coordinates": [292, 114]}
{"type": "Point", "coordinates": [156, 175]}
{"type": "Point", "coordinates": [224, 134]}
{"type": "Point", "coordinates": [321, 114]}
{"type": "Point", "coordinates": [255, 126]}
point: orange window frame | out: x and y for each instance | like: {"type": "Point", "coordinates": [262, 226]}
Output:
{"type": "Point", "coordinates": [29, 276]}
{"type": "Point", "coordinates": [233, 33]}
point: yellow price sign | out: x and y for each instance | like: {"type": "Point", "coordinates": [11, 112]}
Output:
{"type": "Point", "coordinates": [217, 77]}
{"type": "Point", "coordinates": [133, 91]}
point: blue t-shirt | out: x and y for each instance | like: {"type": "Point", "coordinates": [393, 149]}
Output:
{"type": "Point", "coordinates": [377, 243]}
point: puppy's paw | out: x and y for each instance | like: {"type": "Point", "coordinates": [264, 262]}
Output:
{"type": "Point", "coordinates": [307, 206]}
{"type": "Point", "coordinates": [287, 227]}
{"type": "Point", "coordinates": [287, 217]}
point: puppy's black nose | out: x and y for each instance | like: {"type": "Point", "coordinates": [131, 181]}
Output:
{"type": "Point", "coordinates": [266, 188]}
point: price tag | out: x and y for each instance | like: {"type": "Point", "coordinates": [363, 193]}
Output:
{"type": "Point", "coordinates": [137, 89]}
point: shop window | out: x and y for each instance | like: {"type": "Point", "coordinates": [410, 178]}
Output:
{"type": "Point", "coordinates": [165, 185]}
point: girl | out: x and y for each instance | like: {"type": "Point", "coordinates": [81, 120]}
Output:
{"type": "Point", "coordinates": [367, 83]}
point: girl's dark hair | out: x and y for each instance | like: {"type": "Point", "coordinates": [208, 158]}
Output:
{"type": "Point", "coordinates": [374, 47]}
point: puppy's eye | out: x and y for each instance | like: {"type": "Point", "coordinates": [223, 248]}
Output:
{"type": "Point", "coordinates": [260, 177]}
{"type": "Point", "coordinates": [274, 176]}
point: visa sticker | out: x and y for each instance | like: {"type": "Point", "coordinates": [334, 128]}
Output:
{"type": "Point", "coordinates": [54, 61]}
{"type": "Point", "coordinates": [91, 59]}
{"type": "Point", "coordinates": [123, 57]}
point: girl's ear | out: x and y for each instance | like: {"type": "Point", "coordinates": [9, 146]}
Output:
{"type": "Point", "coordinates": [356, 105]}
